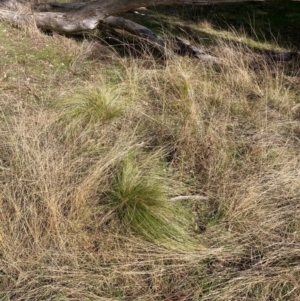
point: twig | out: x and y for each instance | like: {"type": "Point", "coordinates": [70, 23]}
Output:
{"type": "Point", "coordinates": [189, 197]}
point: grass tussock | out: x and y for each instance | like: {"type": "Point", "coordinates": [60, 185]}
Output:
{"type": "Point", "coordinates": [91, 162]}
{"type": "Point", "coordinates": [139, 198]}
{"type": "Point", "coordinates": [96, 105]}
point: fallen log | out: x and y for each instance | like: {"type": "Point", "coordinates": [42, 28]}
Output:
{"type": "Point", "coordinates": [135, 29]}
{"type": "Point", "coordinates": [78, 17]}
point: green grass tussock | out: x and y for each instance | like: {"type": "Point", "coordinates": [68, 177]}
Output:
{"type": "Point", "coordinates": [139, 198]}
{"type": "Point", "coordinates": [129, 179]}
{"type": "Point", "coordinates": [96, 105]}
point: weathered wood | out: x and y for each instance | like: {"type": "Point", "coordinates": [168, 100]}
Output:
{"type": "Point", "coordinates": [134, 28]}
{"type": "Point", "coordinates": [189, 198]}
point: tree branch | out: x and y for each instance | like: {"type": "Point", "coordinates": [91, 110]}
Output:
{"type": "Point", "coordinates": [134, 28]}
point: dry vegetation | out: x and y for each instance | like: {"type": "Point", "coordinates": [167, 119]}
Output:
{"type": "Point", "coordinates": [94, 146]}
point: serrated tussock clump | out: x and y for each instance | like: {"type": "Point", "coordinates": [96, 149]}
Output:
{"type": "Point", "coordinates": [139, 198]}
{"type": "Point", "coordinates": [93, 105]}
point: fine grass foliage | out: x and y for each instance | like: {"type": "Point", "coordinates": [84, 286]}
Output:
{"type": "Point", "coordinates": [93, 106]}
{"type": "Point", "coordinates": [139, 198]}
{"type": "Point", "coordinates": [93, 152]}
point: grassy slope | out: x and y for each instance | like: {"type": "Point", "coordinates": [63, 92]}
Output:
{"type": "Point", "coordinates": [93, 146]}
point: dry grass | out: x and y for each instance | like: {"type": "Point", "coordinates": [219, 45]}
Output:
{"type": "Point", "coordinates": [92, 150]}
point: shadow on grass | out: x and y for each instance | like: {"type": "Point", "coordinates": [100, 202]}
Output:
{"type": "Point", "coordinates": [274, 22]}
